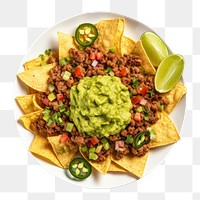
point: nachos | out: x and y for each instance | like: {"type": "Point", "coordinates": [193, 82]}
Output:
{"type": "Point", "coordinates": [97, 98]}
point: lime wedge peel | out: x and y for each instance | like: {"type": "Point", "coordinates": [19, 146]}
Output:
{"type": "Point", "coordinates": [169, 72]}
{"type": "Point", "coordinates": [155, 47]}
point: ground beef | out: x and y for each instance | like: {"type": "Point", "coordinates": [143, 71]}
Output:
{"type": "Point", "coordinates": [81, 60]}
{"type": "Point", "coordinates": [140, 151]}
{"type": "Point", "coordinates": [52, 59]}
{"type": "Point", "coordinates": [78, 56]}
{"type": "Point", "coordinates": [55, 105]}
{"type": "Point", "coordinates": [121, 152]}
{"type": "Point", "coordinates": [78, 140]}
{"type": "Point", "coordinates": [114, 137]}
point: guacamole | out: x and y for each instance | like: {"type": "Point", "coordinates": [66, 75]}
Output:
{"type": "Point", "coordinates": [100, 106]}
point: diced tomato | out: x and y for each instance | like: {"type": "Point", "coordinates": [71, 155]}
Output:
{"type": "Point", "coordinates": [99, 56]}
{"type": "Point", "coordinates": [46, 101]}
{"type": "Point", "coordinates": [92, 55]}
{"type": "Point", "coordinates": [137, 117]}
{"type": "Point", "coordinates": [116, 145]}
{"type": "Point", "coordinates": [77, 72]}
{"type": "Point", "coordinates": [124, 72]}
{"type": "Point", "coordinates": [136, 99]}
{"type": "Point", "coordinates": [94, 140]}
{"type": "Point", "coordinates": [59, 97]}
{"type": "Point", "coordinates": [64, 138]}
{"type": "Point", "coordinates": [143, 90]}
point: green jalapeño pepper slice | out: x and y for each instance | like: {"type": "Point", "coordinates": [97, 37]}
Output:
{"type": "Point", "coordinates": [80, 168]}
{"type": "Point", "coordinates": [141, 138]}
{"type": "Point", "coordinates": [86, 34]}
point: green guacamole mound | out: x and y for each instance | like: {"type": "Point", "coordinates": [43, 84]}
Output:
{"type": "Point", "coordinates": [100, 106]}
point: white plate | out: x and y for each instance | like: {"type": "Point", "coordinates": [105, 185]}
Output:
{"type": "Point", "coordinates": [48, 39]}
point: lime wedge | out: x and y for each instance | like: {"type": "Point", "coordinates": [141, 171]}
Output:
{"type": "Point", "coordinates": [169, 72]}
{"type": "Point", "coordinates": [154, 47]}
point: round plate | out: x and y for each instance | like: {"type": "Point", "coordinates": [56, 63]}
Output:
{"type": "Point", "coordinates": [47, 40]}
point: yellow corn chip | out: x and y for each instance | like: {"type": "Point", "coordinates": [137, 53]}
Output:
{"type": "Point", "coordinates": [36, 78]}
{"type": "Point", "coordinates": [41, 148]}
{"type": "Point", "coordinates": [27, 119]}
{"type": "Point", "coordinates": [146, 64]}
{"type": "Point", "coordinates": [65, 42]}
{"type": "Point", "coordinates": [127, 45]}
{"type": "Point", "coordinates": [133, 164]}
{"type": "Point", "coordinates": [30, 90]}
{"type": "Point", "coordinates": [102, 167]}
{"type": "Point", "coordinates": [37, 62]}
{"type": "Point", "coordinates": [110, 34]}
{"type": "Point", "coordinates": [165, 132]}
{"type": "Point", "coordinates": [174, 96]}
{"type": "Point", "coordinates": [28, 103]}
{"type": "Point", "coordinates": [64, 153]}
{"type": "Point", "coordinates": [116, 168]}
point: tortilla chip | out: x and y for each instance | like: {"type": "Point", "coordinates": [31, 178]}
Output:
{"type": "Point", "coordinates": [127, 45]}
{"type": "Point", "coordinates": [28, 103]}
{"type": "Point", "coordinates": [37, 62]}
{"type": "Point", "coordinates": [41, 148]}
{"type": "Point", "coordinates": [35, 102]}
{"type": "Point", "coordinates": [116, 168]}
{"type": "Point", "coordinates": [174, 96]}
{"type": "Point", "coordinates": [165, 132]}
{"type": "Point", "coordinates": [65, 42]}
{"type": "Point", "coordinates": [30, 90]}
{"type": "Point", "coordinates": [146, 64]}
{"type": "Point", "coordinates": [68, 155]}
{"type": "Point", "coordinates": [110, 34]}
{"type": "Point", "coordinates": [36, 78]}
{"type": "Point", "coordinates": [27, 119]}
{"type": "Point", "coordinates": [102, 167]}
{"type": "Point", "coordinates": [133, 164]}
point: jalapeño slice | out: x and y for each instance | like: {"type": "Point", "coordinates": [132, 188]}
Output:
{"type": "Point", "coordinates": [80, 168]}
{"type": "Point", "coordinates": [86, 34]}
{"type": "Point", "coordinates": [141, 138]}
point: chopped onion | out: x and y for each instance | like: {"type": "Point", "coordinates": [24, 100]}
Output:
{"type": "Point", "coordinates": [143, 102]}
{"type": "Point", "coordinates": [152, 133]}
{"type": "Point", "coordinates": [66, 75]}
{"type": "Point", "coordinates": [119, 144]}
{"type": "Point", "coordinates": [94, 63]}
{"type": "Point", "coordinates": [116, 146]}
{"type": "Point", "coordinates": [51, 88]}
{"type": "Point", "coordinates": [152, 136]}
{"type": "Point", "coordinates": [111, 73]}
{"type": "Point", "coordinates": [62, 74]}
